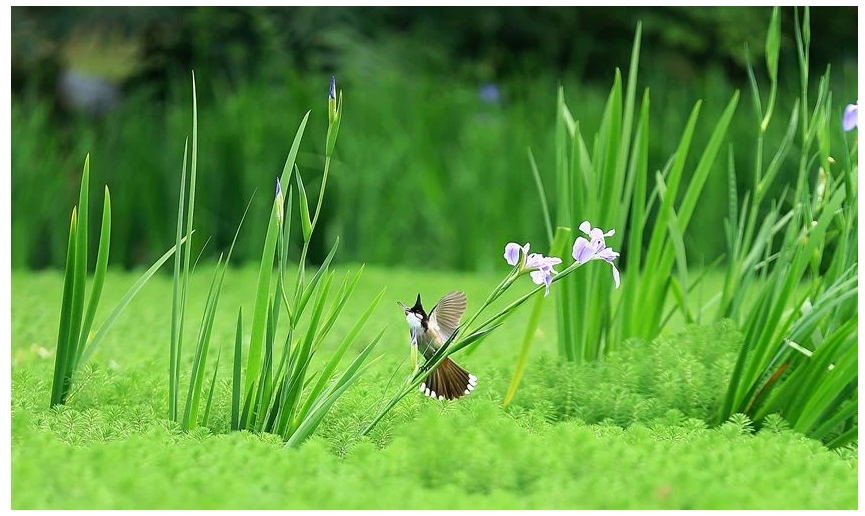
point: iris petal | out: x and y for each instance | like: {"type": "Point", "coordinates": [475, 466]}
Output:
{"type": "Point", "coordinates": [512, 253]}
{"type": "Point", "coordinates": [538, 261]}
{"type": "Point", "coordinates": [596, 234]}
{"type": "Point", "coordinates": [542, 277]}
{"type": "Point", "coordinates": [851, 117]}
{"type": "Point", "coordinates": [537, 277]}
{"type": "Point", "coordinates": [595, 248]}
{"type": "Point", "coordinates": [608, 254]}
{"type": "Point", "coordinates": [583, 251]}
{"type": "Point", "coordinates": [586, 227]}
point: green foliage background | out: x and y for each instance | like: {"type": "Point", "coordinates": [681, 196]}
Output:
{"type": "Point", "coordinates": [427, 155]}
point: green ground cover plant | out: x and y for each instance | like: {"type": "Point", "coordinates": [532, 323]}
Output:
{"type": "Point", "coordinates": [568, 430]}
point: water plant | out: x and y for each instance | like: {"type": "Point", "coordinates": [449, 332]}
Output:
{"type": "Point", "coordinates": [277, 394]}
{"type": "Point", "coordinates": [800, 355]}
{"type": "Point", "coordinates": [610, 184]}
{"type": "Point", "coordinates": [75, 342]}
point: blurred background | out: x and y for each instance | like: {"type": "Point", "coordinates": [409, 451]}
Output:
{"type": "Point", "coordinates": [441, 105]}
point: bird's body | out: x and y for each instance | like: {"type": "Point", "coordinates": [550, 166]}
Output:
{"type": "Point", "coordinates": [429, 333]}
{"type": "Point", "coordinates": [429, 339]}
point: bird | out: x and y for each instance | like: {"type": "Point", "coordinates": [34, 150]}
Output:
{"type": "Point", "coordinates": [429, 332]}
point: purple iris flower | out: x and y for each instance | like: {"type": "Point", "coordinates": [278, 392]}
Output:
{"type": "Point", "coordinates": [595, 248]}
{"type": "Point", "coordinates": [490, 93]}
{"type": "Point", "coordinates": [543, 265]}
{"type": "Point", "coordinates": [851, 116]}
{"type": "Point", "coordinates": [543, 273]}
{"type": "Point", "coordinates": [331, 94]}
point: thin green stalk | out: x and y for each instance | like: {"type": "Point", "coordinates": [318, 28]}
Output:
{"type": "Point", "coordinates": [179, 285]}
{"type": "Point", "coordinates": [61, 369]}
{"type": "Point", "coordinates": [190, 207]}
{"type": "Point", "coordinates": [98, 276]}
{"type": "Point", "coordinates": [557, 249]}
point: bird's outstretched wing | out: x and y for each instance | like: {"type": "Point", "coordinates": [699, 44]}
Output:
{"type": "Point", "coordinates": [448, 312]}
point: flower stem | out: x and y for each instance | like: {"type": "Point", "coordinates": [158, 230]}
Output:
{"type": "Point", "coordinates": [321, 190]}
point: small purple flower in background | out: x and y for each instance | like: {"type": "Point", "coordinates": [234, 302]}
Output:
{"type": "Point", "coordinates": [596, 248]}
{"type": "Point", "coordinates": [512, 252]}
{"type": "Point", "coordinates": [851, 116]}
{"type": "Point", "coordinates": [280, 201]}
{"type": "Point", "coordinates": [543, 273]}
{"type": "Point", "coordinates": [489, 93]}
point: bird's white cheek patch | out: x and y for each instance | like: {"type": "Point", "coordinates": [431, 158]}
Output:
{"type": "Point", "coordinates": [413, 322]}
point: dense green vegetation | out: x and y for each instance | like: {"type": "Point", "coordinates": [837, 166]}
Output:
{"type": "Point", "coordinates": [635, 431]}
{"type": "Point", "coordinates": [426, 151]}
{"type": "Point", "coordinates": [718, 371]}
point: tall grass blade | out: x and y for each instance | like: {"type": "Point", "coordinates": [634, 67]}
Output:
{"type": "Point", "coordinates": [262, 294]}
{"type": "Point", "coordinates": [79, 285]}
{"type": "Point", "coordinates": [209, 403]}
{"type": "Point", "coordinates": [199, 362]}
{"type": "Point", "coordinates": [290, 160]}
{"type": "Point", "coordinates": [236, 379]}
{"type": "Point", "coordinates": [542, 196]}
{"type": "Point", "coordinates": [178, 292]}
{"type": "Point", "coordinates": [60, 387]}
{"type": "Point", "coordinates": [98, 275]}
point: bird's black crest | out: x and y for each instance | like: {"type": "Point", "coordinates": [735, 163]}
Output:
{"type": "Point", "coordinates": [418, 307]}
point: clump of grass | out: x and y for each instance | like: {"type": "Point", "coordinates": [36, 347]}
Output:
{"type": "Point", "coordinates": [799, 359]}
{"type": "Point", "coordinates": [75, 343]}
{"type": "Point", "coordinates": [611, 186]}
{"type": "Point", "coordinates": [608, 185]}
{"type": "Point", "coordinates": [277, 395]}
{"type": "Point", "coordinates": [800, 355]}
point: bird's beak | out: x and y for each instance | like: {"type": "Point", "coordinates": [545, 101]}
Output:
{"type": "Point", "coordinates": [405, 308]}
